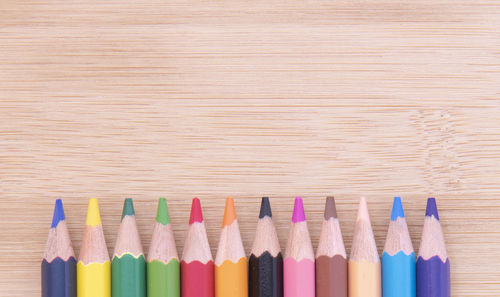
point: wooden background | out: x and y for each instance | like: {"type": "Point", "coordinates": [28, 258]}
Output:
{"type": "Point", "coordinates": [115, 99]}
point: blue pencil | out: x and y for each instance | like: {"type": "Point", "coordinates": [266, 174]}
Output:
{"type": "Point", "coordinates": [433, 266]}
{"type": "Point", "coordinates": [59, 263]}
{"type": "Point", "coordinates": [398, 259]}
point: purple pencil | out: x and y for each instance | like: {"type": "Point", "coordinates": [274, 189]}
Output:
{"type": "Point", "coordinates": [433, 266]}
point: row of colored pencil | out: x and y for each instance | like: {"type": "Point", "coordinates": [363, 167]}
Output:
{"type": "Point", "coordinates": [266, 274]}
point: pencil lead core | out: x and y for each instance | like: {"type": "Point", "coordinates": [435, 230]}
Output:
{"type": "Point", "coordinates": [162, 215]}
{"type": "Point", "coordinates": [229, 213]}
{"type": "Point", "coordinates": [93, 216]}
{"type": "Point", "coordinates": [196, 213]}
{"type": "Point", "coordinates": [363, 210]}
{"type": "Point", "coordinates": [265, 208]}
{"type": "Point", "coordinates": [330, 208]}
{"type": "Point", "coordinates": [298, 211]}
{"type": "Point", "coordinates": [432, 208]}
{"type": "Point", "coordinates": [397, 209]}
{"type": "Point", "coordinates": [128, 208]}
{"type": "Point", "coordinates": [58, 213]}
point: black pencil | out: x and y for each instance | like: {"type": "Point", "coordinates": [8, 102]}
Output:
{"type": "Point", "coordinates": [266, 262]}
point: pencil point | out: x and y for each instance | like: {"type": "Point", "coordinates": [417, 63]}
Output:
{"type": "Point", "coordinates": [58, 213]}
{"type": "Point", "coordinates": [265, 208]}
{"type": "Point", "coordinates": [432, 208]}
{"type": "Point", "coordinates": [363, 210]}
{"type": "Point", "coordinates": [330, 208]}
{"type": "Point", "coordinates": [397, 209]}
{"type": "Point", "coordinates": [128, 208]}
{"type": "Point", "coordinates": [93, 216]}
{"type": "Point", "coordinates": [196, 213]}
{"type": "Point", "coordinates": [229, 213]}
{"type": "Point", "coordinates": [162, 215]}
{"type": "Point", "coordinates": [298, 211]}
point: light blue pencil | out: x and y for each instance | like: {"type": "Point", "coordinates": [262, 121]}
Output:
{"type": "Point", "coordinates": [398, 259]}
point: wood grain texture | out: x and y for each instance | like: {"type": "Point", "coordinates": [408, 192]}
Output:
{"type": "Point", "coordinates": [115, 99]}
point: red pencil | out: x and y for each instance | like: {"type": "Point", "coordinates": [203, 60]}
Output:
{"type": "Point", "coordinates": [197, 266]}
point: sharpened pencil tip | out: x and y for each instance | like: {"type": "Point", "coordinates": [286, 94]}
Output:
{"type": "Point", "coordinates": [432, 208]}
{"type": "Point", "coordinates": [363, 214]}
{"type": "Point", "coordinates": [397, 209]}
{"type": "Point", "coordinates": [265, 208]}
{"type": "Point", "coordinates": [128, 208]}
{"type": "Point", "coordinates": [330, 208]}
{"type": "Point", "coordinates": [58, 213]}
{"type": "Point", "coordinates": [298, 211]}
{"type": "Point", "coordinates": [162, 215]}
{"type": "Point", "coordinates": [196, 213]}
{"type": "Point", "coordinates": [93, 215]}
{"type": "Point", "coordinates": [229, 213]}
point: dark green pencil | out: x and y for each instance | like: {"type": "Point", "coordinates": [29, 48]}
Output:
{"type": "Point", "coordinates": [128, 268]}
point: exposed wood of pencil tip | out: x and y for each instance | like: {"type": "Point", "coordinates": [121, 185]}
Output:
{"type": "Point", "coordinates": [128, 239]}
{"type": "Point", "coordinates": [266, 238]}
{"type": "Point", "coordinates": [196, 246]}
{"type": "Point", "coordinates": [230, 244]}
{"type": "Point", "coordinates": [363, 246]}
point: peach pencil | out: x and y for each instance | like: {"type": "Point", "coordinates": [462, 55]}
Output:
{"type": "Point", "coordinates": [364, 264]}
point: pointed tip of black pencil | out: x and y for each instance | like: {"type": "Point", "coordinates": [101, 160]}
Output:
{"type": "Point", "coordinates": [265, 208]}
{"type": "Point", "coordinates": [432, 208]}
{"type": "Point", "coordinates": [330, 208]}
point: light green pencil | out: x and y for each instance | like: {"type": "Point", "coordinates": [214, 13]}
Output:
{"type": "Point", "coordinates": [163, 261]}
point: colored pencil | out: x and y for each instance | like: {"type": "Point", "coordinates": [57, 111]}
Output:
{"type": "Point", "coordinates": [433, 265]}
{"type": "Point", "coordinates": [331, 258]}
{"type": "Point", "coordinates": [266, 262]}
{"type": "Point", "coordinates": [128, 268]}
{"type": "Point", "coordinates": [298, 276]}
{"type": "Point", "coordinates": [93, 269]}
{"type": "Point", "coordinates": [398, 259]}
{"type": "Point", "coordinates": [163, 263]}
{"type": "Point", "coordinates": [58, 264]}
{"type": "Point", "coordinates": [364, 264]}
{"type": "Point", "coordinates": [231, 269]}
{"type": "Point", "coordinates": [197, 266]}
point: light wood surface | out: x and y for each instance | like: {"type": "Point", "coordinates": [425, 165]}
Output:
{"type": "Point", "coordinates": [115, 99]}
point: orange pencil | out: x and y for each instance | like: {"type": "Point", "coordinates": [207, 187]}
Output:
{"type": "Point", "coordinates": [231, 269]}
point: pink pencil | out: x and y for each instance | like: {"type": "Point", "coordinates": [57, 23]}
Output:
{"type": "Point", "coordinates": [298, 275]}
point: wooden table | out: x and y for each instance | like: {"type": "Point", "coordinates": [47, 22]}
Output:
{"type": "Point", "coordinates": [115, 99]}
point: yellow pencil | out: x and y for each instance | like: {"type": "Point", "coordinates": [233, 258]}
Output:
{"type": "Point", "coordinates": [93, 268]}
